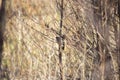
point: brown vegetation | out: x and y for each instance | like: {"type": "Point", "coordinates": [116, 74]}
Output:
{"type": "Point", "coordinates": [60, 40]}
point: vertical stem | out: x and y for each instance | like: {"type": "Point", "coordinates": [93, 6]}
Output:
{"type": "Point", "coordinates": [119, 36]}
{"type": "Point", "coordinates": [103, 25]}
{"type": "Point", "coordinates": [84, 58]}
{"type": "Point", "coordinates": [4, 6]}
{"type": "Point", "coordinates": [60, 36]}
{"type": "Point", "coordinates": [61, 19]}
{"type": "Point", "coordinates": [19, 36]}
{"type": "Point", "coordinates": [2, 26]}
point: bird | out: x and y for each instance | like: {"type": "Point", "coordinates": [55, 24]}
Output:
{"type": "Point", "coordinates": [58, 39]}
{"type": "Point", "coordinates": [61, 41]}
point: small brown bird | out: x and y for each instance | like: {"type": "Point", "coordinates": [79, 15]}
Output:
{"type": "Point", "coordinates": [59, 40]}
{"type": "Point", "coordinates": [63, 39]}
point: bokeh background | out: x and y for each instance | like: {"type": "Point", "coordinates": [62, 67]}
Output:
{"type": "Point", "coordinates": [92, 40]}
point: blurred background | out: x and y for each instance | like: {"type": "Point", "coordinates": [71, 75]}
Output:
{"type": "Point", "coordinates": [29, 49]}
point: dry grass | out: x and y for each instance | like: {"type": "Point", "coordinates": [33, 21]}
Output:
{"type": "Point", "coordinates": [91, 43]}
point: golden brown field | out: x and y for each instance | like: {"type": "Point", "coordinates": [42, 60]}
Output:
{"type": "Point", "coordinates": [60, 40]}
